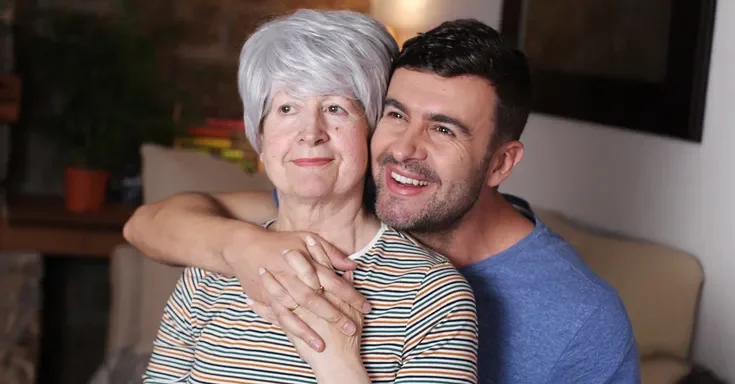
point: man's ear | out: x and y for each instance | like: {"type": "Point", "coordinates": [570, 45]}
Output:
{"type": "Point", "coordinates": [503, 161]}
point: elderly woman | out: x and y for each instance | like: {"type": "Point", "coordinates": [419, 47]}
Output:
{"type": "Point", "coordinates": [312, 86]}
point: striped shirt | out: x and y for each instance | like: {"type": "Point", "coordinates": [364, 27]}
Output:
{"type": "Point", "coordinates": [422, 329]}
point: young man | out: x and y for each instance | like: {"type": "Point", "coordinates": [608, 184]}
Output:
{"type": "Point", "coordinates": [458, 101]}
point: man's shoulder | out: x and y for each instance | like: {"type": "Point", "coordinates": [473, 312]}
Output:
{"type": "Point", "coordinates": [544, 262]}
{"type": "Point", "coordinates": [553, 308]}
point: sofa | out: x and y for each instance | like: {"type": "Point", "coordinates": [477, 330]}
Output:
{"type": "Point", "coordinates": [659, 286]}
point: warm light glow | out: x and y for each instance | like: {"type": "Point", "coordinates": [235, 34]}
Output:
{"type": "Point", "coordinates": [401, 14]}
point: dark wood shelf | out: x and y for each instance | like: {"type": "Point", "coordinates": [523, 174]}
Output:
{"type": "Point", "coordinates": [42, 224]}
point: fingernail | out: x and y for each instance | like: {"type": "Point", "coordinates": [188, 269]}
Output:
{"type": "Point", "coordinates": [261, 271]}
{"type": "Point", "coordinates": [249, 301]}
{"type": "Point", "coordinates": [366, 308]}
{"type": "Point", "coordinates": [310, 240]}
{"type": "Point", "coordinates": [349, 328]}
{"type": "Point", "coordinates": [315, 345]}
{"type": "Point", "coordinates": [285, 251]}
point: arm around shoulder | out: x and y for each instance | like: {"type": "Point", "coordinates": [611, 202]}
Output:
{"type": "Point", "coordinates": [194, 229]}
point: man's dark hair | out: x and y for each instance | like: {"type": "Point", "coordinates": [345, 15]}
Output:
{"type": "Point", "coordinates": [470, 47]}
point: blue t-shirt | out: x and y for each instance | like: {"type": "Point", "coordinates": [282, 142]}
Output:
{"type": "Point", "coordinates": [546, 317]}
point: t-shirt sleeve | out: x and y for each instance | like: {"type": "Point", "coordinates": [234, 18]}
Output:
{"type": "Point", "coordinates": [441, 334]}
{"type": "Point", "coordinates": [173, 349]}
{"type": "Point", "coordinates": [603, 350]}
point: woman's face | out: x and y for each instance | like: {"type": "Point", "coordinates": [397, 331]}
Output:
{"type": "Point", "coordinates": [315, 147]}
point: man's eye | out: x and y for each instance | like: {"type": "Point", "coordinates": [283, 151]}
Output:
{"type": "Point", "coordinates": [444, 130]}
{"type": "Point", "coordinates": [285, 109]}
{"type": "Point", "coordinates": [395, 115]}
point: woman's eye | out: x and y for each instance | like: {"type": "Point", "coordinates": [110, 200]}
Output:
{"type": "Point", "coordinates": [285, 109]}
{"type": "Point", "coordinates": [335, 109]}
{"type": "Point", "coordinates": [444, 131]}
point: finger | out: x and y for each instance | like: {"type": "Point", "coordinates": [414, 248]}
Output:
{"type": "Point", "coordinates": [314, 301]}
{"type": "Point", "coordinates": [316, 249]}
{"type": "Point", "coordinates": [348, 277]}
{"type": "Point", "coordinates": [263, 311]}
{"type": "Point", "coordinates": [336, 257]}
{"type": "Point", "coordinates": [303, 268]}
{"type": "Point", "coordinates": [275, 290]}
{"type": "Point", "coordinates": [343, 290]}
{"type": "Point", "coordinates": [296, 327]}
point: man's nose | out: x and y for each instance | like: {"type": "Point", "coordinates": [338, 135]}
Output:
{"type": "Point", "coordinates": [315, 130]}
{"type": "Point", "coordinates": [409, 146]}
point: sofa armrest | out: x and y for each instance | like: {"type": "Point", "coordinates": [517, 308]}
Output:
{"type": "Point", "coordinates": [663, 370]}
{"type": "Point", "coordinates": [125, 292]}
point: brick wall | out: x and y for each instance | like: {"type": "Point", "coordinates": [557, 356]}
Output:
{"type": "Point", "coordinates": [201, 58]}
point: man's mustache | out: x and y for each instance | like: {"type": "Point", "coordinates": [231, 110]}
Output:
{"type": "Point", "coordinates": [414, 167]}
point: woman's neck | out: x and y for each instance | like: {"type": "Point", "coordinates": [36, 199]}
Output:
{"type": "Point", "coordinates": [345, 223]}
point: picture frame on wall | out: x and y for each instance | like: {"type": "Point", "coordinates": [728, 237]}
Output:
{"type": "Point", "coordinates": [640, 65]}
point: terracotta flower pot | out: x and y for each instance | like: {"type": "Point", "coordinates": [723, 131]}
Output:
{"type": "Point", "coordinates": [85, 189]}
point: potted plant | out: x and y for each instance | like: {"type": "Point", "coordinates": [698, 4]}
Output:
{"type": "Point", "coordinates": [105, 98]}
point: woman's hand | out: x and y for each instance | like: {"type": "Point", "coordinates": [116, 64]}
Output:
{"type": "Point", "coordinates": [300, 262]}
{"type": "Point", "coordinates": [340, 361]}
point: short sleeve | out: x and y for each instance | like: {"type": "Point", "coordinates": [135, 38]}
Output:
{"type": "Point", "coordinates": [173, 349]}
{"type": "Point", "coordinates": [604, 350]}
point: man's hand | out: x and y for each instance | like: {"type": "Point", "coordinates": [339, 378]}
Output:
{"type": "Point", "coordinates": [300, 263]}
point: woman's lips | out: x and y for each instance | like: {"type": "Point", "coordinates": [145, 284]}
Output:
{"type": "Point", "coordinates": [312, 161]}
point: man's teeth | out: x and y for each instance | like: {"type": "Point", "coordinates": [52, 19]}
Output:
{"type": "Point", "coordinates": [407, 180]}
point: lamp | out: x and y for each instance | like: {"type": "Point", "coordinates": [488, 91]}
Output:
{"type": "Point", "coordinates": [403, 18]}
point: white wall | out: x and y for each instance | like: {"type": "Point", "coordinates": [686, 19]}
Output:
{"type": "Point", "coordinates": [668, 191]}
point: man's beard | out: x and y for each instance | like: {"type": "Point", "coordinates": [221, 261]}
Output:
{"type": "Point", "coordinates": [442, 213]}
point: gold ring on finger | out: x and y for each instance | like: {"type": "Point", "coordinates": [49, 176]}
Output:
{"type": "Point", "coordinates": [320, 290]}
{"type": "Point", "coordinates": [293, 308]}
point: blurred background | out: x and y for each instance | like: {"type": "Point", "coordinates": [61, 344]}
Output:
{"type": "Point", "coordinates": [84, 84]}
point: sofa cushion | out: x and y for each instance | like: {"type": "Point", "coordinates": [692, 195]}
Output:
{"type": "Point", "coordinates": [168, 171]}
{"type": "Point", "coordinates": [140, 285]}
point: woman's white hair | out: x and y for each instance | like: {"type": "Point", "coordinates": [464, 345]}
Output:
{"type": "Point", "coordinates": [315, 53]}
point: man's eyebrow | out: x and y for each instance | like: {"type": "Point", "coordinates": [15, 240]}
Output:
{"type": "Point", "coordinates": [391, 102]}
{"type": "Point", "coordinates": [435, 117]}
{"type": "Point", "coordinates": [440, 118]}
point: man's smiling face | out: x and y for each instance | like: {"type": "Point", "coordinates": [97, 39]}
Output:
{"type": "Point", "coordinates": [430, 149]}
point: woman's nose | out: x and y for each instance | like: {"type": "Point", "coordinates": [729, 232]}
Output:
{"type": "Point", "coordinates": [315, 130]}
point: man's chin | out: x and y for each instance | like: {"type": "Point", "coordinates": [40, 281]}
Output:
{"type": "Point", "coordinates": [398, 216]}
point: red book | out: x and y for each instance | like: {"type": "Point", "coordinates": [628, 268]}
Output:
{"type": "Point", "coordinates": [209, 132]}
{"type": "Point", "coordinates": [226, 123]}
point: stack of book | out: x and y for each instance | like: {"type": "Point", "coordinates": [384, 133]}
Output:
{"type": "Point", "coordinates": [224, 139]}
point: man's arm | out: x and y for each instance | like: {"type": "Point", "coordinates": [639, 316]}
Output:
{"type": "Point", "coordinates": [195, 229]}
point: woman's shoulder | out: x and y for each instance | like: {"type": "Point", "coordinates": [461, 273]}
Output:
{"type": "Point", "coordinates": [213, 283]}
{"type": "Point", "coordinates": [400, 244]}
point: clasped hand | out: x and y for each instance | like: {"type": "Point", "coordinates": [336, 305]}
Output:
{"type": "Point", "coordinates": [327, 310]}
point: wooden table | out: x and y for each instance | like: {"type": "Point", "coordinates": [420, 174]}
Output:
{"type": "Point", "coordinates": [42, 224]}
